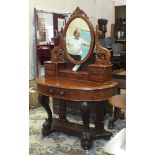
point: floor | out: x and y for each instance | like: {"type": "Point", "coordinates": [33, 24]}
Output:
{"type": "Point", "coordinates": [60, 143]}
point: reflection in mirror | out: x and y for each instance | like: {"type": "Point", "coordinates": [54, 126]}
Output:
{"type": "Point", "coordinates": [78, 39]}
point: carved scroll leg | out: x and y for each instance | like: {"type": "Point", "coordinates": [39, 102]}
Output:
{"type": "Point", "coordinates": [86, 139]}
{"type": "Point", "coordinates": [99, 123]}
{"type": "Point", "coordinates": [62, 109]}
{"type": "Point", "coordinates": [44, 101]}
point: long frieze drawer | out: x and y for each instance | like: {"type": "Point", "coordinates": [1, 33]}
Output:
{"type": "Point", "coordinates": [57, 92]}
{"type": "Point", "coordinates": [52, 91]}
{"type": "Point", "coordinates": [77, 90]}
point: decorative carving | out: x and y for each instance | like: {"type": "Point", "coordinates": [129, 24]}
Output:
{"type": "Point", "coordinates": [79, 11]}
{"type": "Point", "coordinates": [85, 114]}
{"type": "Point", "coordinates": [86, 139]}
{"type": "Point", "coordinates": [57, 54]}
{"type": "Point", "coordinates": [80, 14]}
{"type": "Point", "coordinates": [103, 55]}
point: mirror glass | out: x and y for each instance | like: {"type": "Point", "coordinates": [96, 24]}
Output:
{"type": "Point", "coordinates": [78, 39]}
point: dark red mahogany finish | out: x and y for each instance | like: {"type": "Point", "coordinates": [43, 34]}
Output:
{"type": "Point", "coordinates": [90, 83]}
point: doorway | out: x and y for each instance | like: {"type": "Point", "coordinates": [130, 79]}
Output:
{"type": "Point", "coordinates": [47, 28]}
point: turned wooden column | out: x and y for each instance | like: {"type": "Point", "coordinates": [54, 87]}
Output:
{"type": "Point", "coordinates": [99, 124]}
{"type": "Point", "coordinates": [62, 109]}
{"type": "Point", "coordinates": [86, 139]}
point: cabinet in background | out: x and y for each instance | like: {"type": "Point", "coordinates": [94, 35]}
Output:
{"type": "Point", "coordinates": [120, 22]}
{"type": "Point", "coordinates": [44, 52]}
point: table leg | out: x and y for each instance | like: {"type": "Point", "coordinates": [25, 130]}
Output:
{"type": "Point", "coordinates": [115, 117]}
{"type": "Point", "coordinates": [99, 123]}
{"type": "Point", "coordinates": [44, 101]}
{"type": "Point", "coordinates": [62, 109]}
{"type": "Point", "coordinates": [116, 114]}
{"type": "Point", "coordinates": [86, 139]}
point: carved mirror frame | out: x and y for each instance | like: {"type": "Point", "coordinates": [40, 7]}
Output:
{"type": "Point", "coordinates": [103, 55]}
{"type": "Point", "coordinates": [78, 13]}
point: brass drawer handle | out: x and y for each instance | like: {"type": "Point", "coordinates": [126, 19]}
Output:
{"type": "Point", "coordinates": [62, 93]}
{"type": "Point", "coordinates": [51, 91]}
{"type": "Point", "coordinates": [57, 92]}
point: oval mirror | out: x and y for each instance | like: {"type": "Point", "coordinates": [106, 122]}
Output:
{"type": "Point", "coordinates": [79, 39]}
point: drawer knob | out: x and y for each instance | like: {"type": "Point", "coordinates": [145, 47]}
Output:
{"type": "Point", "coordinates": [51, 90]}
{"type": "Point", "coordinates": [62, 93]}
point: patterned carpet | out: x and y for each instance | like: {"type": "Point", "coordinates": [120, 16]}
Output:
{"type": "Point", "coordinates": [60, 143]}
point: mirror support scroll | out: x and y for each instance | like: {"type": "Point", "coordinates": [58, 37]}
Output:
{"type": "Point", "coordinates": [103, 55]}
{"type": "Point", "coordinates": [57, 54]}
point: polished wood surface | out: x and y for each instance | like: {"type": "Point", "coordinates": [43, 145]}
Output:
{"type": "Point", "coordinates": [74, 84]}
{"type": "Point", "coordinates": [118, 101]}
{"type": "Point", "coordinates": [76, 90]}
{"type": "Point", "coordinates": [120, 77]}
{"type": "Point", "coordinates": [44, 52]}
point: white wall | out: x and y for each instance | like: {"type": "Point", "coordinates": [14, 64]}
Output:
{"type": "Point", "coordinates": [119, 2]}
{"type": "Point", "coordinates": [105, 9]}
{"type": "Point", "coordinates": [59, 6]}
{"type": "Point", "coordinates": [93, 8]}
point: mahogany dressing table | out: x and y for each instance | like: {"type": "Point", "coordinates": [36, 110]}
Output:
{"type": "Point", "coordinates": [91, 82]}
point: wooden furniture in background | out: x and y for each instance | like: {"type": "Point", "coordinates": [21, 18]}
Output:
{"type": "Point", "coordinates": [120, 25]}
{"type": "Point", "coordinates": [120, 21]}
{"type": "Point", "coordinates": [44, 52]}
{"type": "Point", "coordinates": [112, 30]}
{"type": "Point", "coordinates": [120, 77]}
{"type": "Point", "coordinates": [118, 101]}
{"type": "Point", "coordinates": [123, 42]}
{"type": "Point", "coordinates": [102, 26]}
{"type": "Point", "coordinates": [90, 83]}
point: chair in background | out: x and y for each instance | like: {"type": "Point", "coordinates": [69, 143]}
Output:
{"type": "Point", "coordinates": [119, 102]}
{"type": "Point", "coordinates": [107, 42]}
{"type": "Point", "coordinates": [117, 48]}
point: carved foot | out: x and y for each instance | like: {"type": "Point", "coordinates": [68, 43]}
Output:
{"type": "Point", "coordinates": [86, 140]}
{"type": "Point", "coordinates": [46, 130]}
{"type": "Point", "coordinates": [44, 101]}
